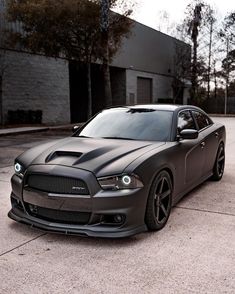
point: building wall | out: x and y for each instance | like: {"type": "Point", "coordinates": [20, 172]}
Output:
{"type": "Point", "coordinates": [118, 84]}
{"type": "Point", "coordinates": [149, 50]}
{"type": "Point", "coordinates": [161, 86]}
{"type": "Point", "coordinates": [34, 82]}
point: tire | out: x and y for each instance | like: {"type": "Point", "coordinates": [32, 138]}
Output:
{"type": "Point", "coordinates": [218, 169]}
{"type": "Point", "coordinates": [159, 202]}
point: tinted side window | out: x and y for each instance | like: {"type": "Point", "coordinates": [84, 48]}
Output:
{"type": "Point", "coordinates": [203, 120]}
{"type": "Point", "coordinates": [185, 121]}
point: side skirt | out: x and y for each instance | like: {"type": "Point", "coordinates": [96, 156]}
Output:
{"type": "Point", "coordinates": [194, 185]}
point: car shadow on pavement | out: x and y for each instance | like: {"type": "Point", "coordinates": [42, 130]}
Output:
{"type": "Point", "coordinates": [206, 191]}
{"type": "Point", "coordinates": [192, 200]}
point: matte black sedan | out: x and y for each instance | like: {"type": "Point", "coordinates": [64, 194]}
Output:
{"type": "Point", "coordinates": [120, 173]}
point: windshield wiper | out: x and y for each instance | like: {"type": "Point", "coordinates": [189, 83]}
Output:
{"type": "Point", "coordinates": [83, 137]}
{"type": "Point", "coordinates": [117, 138]}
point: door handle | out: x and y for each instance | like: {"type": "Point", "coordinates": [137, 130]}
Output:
{"type": "Point", "coordinates": [203, 144]}
{"type": "Point", "coordinates": [216, 134]}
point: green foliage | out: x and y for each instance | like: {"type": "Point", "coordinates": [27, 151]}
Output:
{"type": "Point", "coordinates": [69, 28]}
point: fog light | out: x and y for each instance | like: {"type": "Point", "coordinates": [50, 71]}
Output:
{"type": "Point", "coordinates": [118, 218]}
{"type": "Point", "coordinates": [33, 208]}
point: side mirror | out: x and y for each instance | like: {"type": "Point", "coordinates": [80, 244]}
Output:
{"type": "Point", "coordinates": [188, 134]}
{"type": "Point", "coordinates": [75, 128]}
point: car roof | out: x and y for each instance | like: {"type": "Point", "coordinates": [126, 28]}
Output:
{"type": "Point", "coordinates": [166, 107]}
{"type": "Point", "coordinates": [169, 107]}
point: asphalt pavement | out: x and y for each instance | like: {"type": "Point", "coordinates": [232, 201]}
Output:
{"type": "Point", "coordinates": [194, 253]}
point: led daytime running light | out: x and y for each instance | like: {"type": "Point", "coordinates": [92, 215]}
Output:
{"type": "Point", "coordinates": [18, 168]}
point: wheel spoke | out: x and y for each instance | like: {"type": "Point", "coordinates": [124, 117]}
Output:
{"type": "Point", "coordinates": [161, 185]}
{"type": "Point", "coordinates": [163, 209]}
{"type": "Point", "coordinates": [162, 199]}
{"type": "Point", "coordinates": [157, 208]}
{"type": "Point", "coordinates": [221, 158]}
{"type": "Point", "coordinates": [165, 194]}
{"type": "Point", "coordinates": [220, 162]}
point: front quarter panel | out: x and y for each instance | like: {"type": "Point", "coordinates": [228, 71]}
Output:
{"type": "Point", "coordinates": [148, 165]}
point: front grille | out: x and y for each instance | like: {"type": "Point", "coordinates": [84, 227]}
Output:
{"type": "Point", "coordinates": [58, 216]}
{"type": "Point", "coordinates": [56, 184]}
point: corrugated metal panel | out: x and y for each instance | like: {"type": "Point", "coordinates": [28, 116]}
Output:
{"type": "Point", "coordinates": [144, 90]}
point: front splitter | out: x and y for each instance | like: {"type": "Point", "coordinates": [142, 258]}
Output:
{"type": "Point", "coordinates": [85, 230]}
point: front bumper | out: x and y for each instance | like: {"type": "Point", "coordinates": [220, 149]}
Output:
{"type": "Point", "coordinates": [75, 230]}
{"type": "Point", "coordinates": [101, 206]}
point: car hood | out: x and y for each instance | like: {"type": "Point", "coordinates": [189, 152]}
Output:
{"type": "Point", "coordinates": [100, 156]}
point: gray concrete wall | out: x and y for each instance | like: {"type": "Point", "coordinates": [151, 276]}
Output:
{"type": "Point", "coordinates": [148, 50]}
{"type": "Point", "coordinates": [118, 83]}
{"type": "Point", "coordinates": [33, 82]}
{"type": "Point", "coordinates": [161, 86]}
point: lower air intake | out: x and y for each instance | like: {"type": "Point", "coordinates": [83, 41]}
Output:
{"type": "Point", "coordinates": [58, 216]}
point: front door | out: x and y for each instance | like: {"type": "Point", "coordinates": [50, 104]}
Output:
{"type": "Point", "coordinates": [193, 151]}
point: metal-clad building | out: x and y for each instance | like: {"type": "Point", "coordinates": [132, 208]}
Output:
{"type": "Point", "coordinates": [148, 57]}
{"type": "Point", "coordinates": [141, 72]}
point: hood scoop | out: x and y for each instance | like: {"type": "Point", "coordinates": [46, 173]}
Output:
{"type": "Point", "coordinates": [63, 157]}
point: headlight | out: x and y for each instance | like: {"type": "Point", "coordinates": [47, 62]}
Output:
{"type": "Point", "coordinates": [19, 169]}
{"type": "Point", "coordinates": [120, 182]}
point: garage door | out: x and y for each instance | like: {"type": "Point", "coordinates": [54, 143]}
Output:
{"type": "Point", "coordinates": [144, 90]}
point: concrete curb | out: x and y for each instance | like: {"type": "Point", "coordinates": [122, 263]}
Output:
{"type": "Point", "coordinates": [25, 130]}
{"type": "Point", "coordinates": [221, 115]}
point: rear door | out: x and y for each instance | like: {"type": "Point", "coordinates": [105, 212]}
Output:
{"type": "Point", "coordinates": [210, 134]}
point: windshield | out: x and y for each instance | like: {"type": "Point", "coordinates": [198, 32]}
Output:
{"type": "Point", "coordinates": [130, 124]}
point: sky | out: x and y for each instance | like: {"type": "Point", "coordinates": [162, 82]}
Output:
{"type": "Point", "coordinates": [148, 11]}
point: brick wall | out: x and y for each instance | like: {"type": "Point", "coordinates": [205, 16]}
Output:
{"type": "Point", "coordinates": [33, 82]}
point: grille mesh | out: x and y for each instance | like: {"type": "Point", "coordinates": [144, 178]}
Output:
{"type": "Point", "coordinates": [58, 216]}
{"type": "Point", "coordinates": [57, 184]}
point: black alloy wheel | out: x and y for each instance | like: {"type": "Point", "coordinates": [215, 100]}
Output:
{"type": "Point", "coordinates": [218, 169]}
{"type": "Point", "coordinates": [159, 202]}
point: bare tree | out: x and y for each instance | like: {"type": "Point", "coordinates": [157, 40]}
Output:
{"type": "Point", "coordinates": [194, 26]}
{"type": "Point", "coordinates": [2, 65]}
{"type": "Point", "coordinates": [182, 67]}
{"type": "Point", "coordinates": [107, 19]}
{"type": "Point", "coordinates": [104, 23]}
{"type": "Point", "coordinates": [227, 36]}
{"type": "Point", "coordinates": [3, 62]}
{"type": "Point", "coordinates": [199, 30]}
{"type": "Point", "coordinates": [211, 22]}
